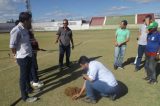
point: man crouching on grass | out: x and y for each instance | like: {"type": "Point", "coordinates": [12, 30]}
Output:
{"type": "Point", "coordinates": [99, 81]}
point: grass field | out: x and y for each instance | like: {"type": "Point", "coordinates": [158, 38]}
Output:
{"type": "Point", "coordinates": [97, 44]}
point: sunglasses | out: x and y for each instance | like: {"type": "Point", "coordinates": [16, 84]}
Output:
{"type": "Point", "coordinates": [65, 23]}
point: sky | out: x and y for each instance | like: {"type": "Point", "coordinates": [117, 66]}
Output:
{"type": "Point", "coordinates": [46, 10]}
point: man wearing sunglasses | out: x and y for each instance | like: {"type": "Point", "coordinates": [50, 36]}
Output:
{"type": "Point", "coordinates": [64, 38]}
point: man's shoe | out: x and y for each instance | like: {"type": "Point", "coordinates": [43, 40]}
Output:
{"type": "Point", "coordinates": [38, 84]}
{"type": "Point", "coordinates": [31, 99]}
{"type": "Point", "coordinates": [89, 100]}
{"type": "Point", "coordinates": [121, 68]}
{"type": "Point", "coordinates": [146, 78]}
{"type": "Point", "coordinates": [153, 82]}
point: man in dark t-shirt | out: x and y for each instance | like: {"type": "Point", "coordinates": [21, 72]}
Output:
{"type": "Point", "coordinates": [64, 37]}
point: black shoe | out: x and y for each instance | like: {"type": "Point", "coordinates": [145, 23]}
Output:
{"type": "Point", "coordinates": [115, 67]}
{"type": "Point", "coordinates": [146, 78]}
{"type": "Point", "coordinates": [153, 81]}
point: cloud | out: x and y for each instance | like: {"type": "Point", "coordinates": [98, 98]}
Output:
{"type": "Point", "coordinates": [142, 1]}
{"type": "Point", "coordinates": [8, 9]}
{"type": "Point", "coordinates": [116, 8]}
{"type": "Point", "coordinates": [58, 14]}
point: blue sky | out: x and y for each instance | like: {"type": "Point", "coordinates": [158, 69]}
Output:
{"type": "Point", "coordinates": [45, 10]}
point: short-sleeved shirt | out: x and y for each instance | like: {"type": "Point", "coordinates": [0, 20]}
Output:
{"type": "Point", "coordinates": [122, 35]}
{"type": "Point", "coordinates": [19, 39]}
{"type": "Point", "coordinates": [153, 43]}
{"type": "Point", "coordinates": [64, 36]}
{"type": "Point", "coordinates": [143, 37]}
{"type": "Point", "coordinates": [97, 71]}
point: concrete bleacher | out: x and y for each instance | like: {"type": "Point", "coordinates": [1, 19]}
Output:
{"type": "Point", "coordinates": [6, 27]}
{"type": "Point", "coordinates": [97, 21]}
{"type": "Point", "coordinates": [115, 20]}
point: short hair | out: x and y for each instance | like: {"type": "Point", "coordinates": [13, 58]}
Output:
{"type": "Point", "coordinates": [65, 20]}
{"type": "Point", "coordinates": [24, 16]}
{"type": "Point", "coordinates": [148, 16]}
{"type": "Point", "coordinates": [83, 60]}
{"type": "Point", "coordinates": [16, 22]}
{"type": "Point", "coordinates": [124, 22]}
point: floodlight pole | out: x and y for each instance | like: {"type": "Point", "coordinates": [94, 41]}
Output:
{"type": "Point", "coordinates": [28, 6]}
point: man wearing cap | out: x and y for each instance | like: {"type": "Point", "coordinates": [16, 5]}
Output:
{"type": "Point", "coordinates": [152, 52]}
{"type": "Point", "coordinates": [121, 39]}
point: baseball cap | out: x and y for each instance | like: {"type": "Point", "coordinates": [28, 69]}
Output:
{"type": "Point", "coordinates": [152, 25]}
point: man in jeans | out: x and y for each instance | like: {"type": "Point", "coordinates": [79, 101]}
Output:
{"type": "Point", "coordinates": [99, 81]}
{"type": "Point", "coordinates": [121, 39]}
{"type": "Point", "coordinates": [152, 52]}
{"type": "Point", "coordinates": [64, 37]}
{"type": "Point", "coordinates": [22, 50]}
{"type": "Point", "coordinates": [142, 41]}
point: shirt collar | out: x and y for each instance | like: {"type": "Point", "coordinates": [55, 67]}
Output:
{"type": "Point", "coordinates": [20, 24]}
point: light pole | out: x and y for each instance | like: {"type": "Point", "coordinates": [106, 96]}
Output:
{"type": "Point", "coordinates": [28, 6]}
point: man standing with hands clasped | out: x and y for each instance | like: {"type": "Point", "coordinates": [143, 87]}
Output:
{"type": "Point", "coordinates": [64, 37]}
{"type": "Point", "coordinates": [121, 39]}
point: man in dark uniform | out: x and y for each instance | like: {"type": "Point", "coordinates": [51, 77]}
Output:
{"type": "Point", "coordinates": [64, 37]}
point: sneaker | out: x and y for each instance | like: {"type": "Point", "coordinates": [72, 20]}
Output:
{"type": "Point", "coordinates": [31, 99]}
{"type": "Point", "coordinates": [38, 84]}
{"type": "Point", "coordinates": [146, 78]}
{"type": "Point", "coordinates": [115, 67]}
{"type": "Point", "coordinates": [89, 100]}
{"type": "Point", "coordinates": [153, 82]}
{"type": "Point", "coordinates": [121, 68]}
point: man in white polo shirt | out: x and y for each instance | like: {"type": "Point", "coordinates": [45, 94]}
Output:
{"type": "Point", "coordinates": [99, 81]}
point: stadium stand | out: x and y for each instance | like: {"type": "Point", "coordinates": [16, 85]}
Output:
{"type": "Point", "coordinates": [6, 27]}
{"type": "Point", "coordinates": [140, 17]}
{"type": "Point", "coordinates": [97, 21]}
{"type": "Point", "coordinates": [115, 20]}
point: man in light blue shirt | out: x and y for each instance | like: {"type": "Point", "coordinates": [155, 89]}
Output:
{"type": "Point", "coordinates": [98, 81]}
{"type": "Point", "coordinates": [21, 48]}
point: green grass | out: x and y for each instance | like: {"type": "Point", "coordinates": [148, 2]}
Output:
{"type": "Point", "coordinates": [90, 43]}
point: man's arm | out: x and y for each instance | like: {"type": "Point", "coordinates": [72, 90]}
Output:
{"type": "Point", "coordinates": [80, 93]}
{"type": "Point", "coordinates": [57, 39]}
{"type": "Point", "coordinates": [58, 35]}
{"type": "Point", "coordinates": [72, 41]}
{"type": "Point", "coordinates": [14, 39]}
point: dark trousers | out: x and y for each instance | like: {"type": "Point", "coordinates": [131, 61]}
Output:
{"type": "Point", "coordinates": [25, 67]}
{"type": "Point", "coordinates": [64, 50]}
{"type": "Point", "coordinates": [150, 67]}
{"type": "Point", "coordinates": [34, 68]}
{"type": "Point", "coordinates": [141, 50]}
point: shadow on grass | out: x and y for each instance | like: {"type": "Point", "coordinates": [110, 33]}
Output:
{"type": "Point", "coordinates": [71, 72]}
{"type": "Point", "coordinates": [131, 61]}
{"type": "Point", "coordinates": [122, 91]}
{"type": "Point", "coordinates": [49, 80]}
